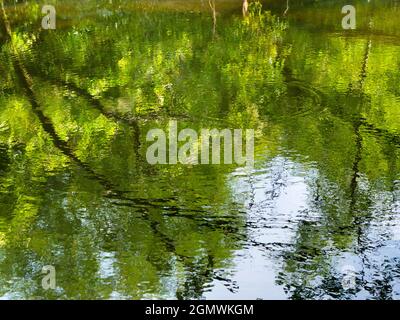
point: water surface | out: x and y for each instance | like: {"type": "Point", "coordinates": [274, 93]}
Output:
{"type": "Point", "coordinates": [77, 193]}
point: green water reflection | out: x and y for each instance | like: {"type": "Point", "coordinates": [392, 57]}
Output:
{"type": "Point", "coordinates": [77, 192]}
